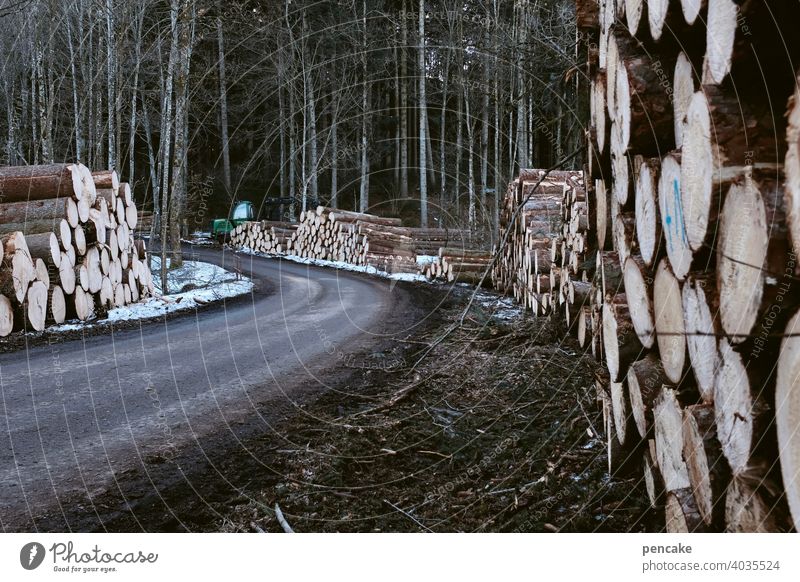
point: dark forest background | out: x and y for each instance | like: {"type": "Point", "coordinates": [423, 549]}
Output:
{"type": "Point", "coordinates": [350, 103]}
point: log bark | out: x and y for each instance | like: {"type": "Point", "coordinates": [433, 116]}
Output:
{"type": "Point", "coordinates": [51, 209]}
{"type": "Point", "coordinates": [621, 410]}
{"type": "Point", "coordinates": [681, 513]}
{"type": "Point", "coordinates": [620, 341]}
{"type": "Point", "coordinates": [26, 183]}
{"type": "Point", "coordinates": [792, 167]}
{"type": "Point", "coordinates": [787, 415]}
{"type": "Point", "coordinates": [644, 106]}
{"type": "Point", "coordinates": [645, 379]}
{"type": "Point", "coordinates": [751, 506]}
{"type": "Point", "coordinates": [653, 481]}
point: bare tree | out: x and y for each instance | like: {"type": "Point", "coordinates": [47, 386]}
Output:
{"type": "Point", "coordinates": [223, 105]}
{"type": "Point", "coordinates": [423, 121]}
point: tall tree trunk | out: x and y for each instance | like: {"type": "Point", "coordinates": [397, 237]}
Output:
{"type": "Point", "coordinates": [92, 136]}
{"type": "Point", "coordinates": [282, 120]}
{"type": "Point", "coordinates": [223, 109]}
{"type": "Point", "coordinates": [423, 122]}
{"type": "Point", "coordinates": [470, 162]}
{"type": "Point", "coordinates": [111, 84]}
{"type": "Point", "coordinates": [311, 113]}
{"type": "Point", "coordinates": [304, 150]}
{"type": "Point", "coordinates": [179, 160]}
{"type": "Point", "coordinates": [152, 165]}
{"type": "Point", "coordinates": [442, 127]}
{"type": "Point", "coordinates": [403, 105]}
{"type": "Point", "coordinates": [397, 134]}
{"type": "Point", "coordinates": [166, 142]}
{"type": "Point", "coordinates": [364, 191]}
{"type": "Point", "coordinates": [498, 177]}
{"type": "Point", "coordinates": [335, 155]}
{"type": "Point", "coordinates": [522, 122]}
{"type": "Point", "coordinates": [41, 92]}
{"type": "Point", "coordinates": [76, 109]}
{"type": "Point", "coordinates": [133, 122]}
{"type": "Point", "coordinates": [292, 112]}
{"type": "Point", "coordinates": [11, 116]}
{"type": "Point", "coordinates": [459, 139]}
{"type": "Point", "coordinates": [485, 120]}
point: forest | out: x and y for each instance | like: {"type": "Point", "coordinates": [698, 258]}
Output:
{"type": "Point", "coordinates": [424, 109]}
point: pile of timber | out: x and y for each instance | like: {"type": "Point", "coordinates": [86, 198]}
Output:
{"type": "Point", "coordinates": [66, 245]}
{"type": "Point", "coordinates": [542, 256]}
{"type": "Point", "coordinates": [354, 238]}
{"type": "Point", "coordinates": [694, 208]}
{"type": "Point", "coordinates": [459, 265]}
{"type": "Point", "coordinates": [266, 236]}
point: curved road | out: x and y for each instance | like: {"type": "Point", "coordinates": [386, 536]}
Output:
{"type": "Point", "coordinates": [77, 416]}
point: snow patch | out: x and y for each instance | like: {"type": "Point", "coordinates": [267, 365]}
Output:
{"type": "Point", "coordinates": [199, 284]}
{"type": "Point", "coordinates": [500, 307]}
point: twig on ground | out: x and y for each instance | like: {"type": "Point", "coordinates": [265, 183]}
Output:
{"type": "Point", "coordinates": [408, 515]}
{"type": "Point", "coordinates": [282, 520]}
{"type": "Point", "coordinates": [426, 452]}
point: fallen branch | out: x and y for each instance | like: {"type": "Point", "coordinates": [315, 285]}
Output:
{"type": "Point", "coordinates": [282, 520]}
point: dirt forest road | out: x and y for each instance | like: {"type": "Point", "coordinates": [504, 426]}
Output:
{"type": "Point", "coordinates": [81, 418]}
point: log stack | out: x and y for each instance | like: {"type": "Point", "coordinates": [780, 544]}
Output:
{"type": "Point", "coordinates": [694, 214]}
{"type": "Point", "coordinates": [355, 238]}
{"type": "Point", "coordinates": [542, 223]}
{"type": "Point", "coordinates": [271, 237]}
{"type": "Point", "coordinates": [459, 265]}
{"type": "Point", "coordinates": [67, 248]}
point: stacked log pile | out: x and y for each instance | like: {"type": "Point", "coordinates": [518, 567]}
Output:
{"type": "Point", "coordinates": [543, 222]}
{"type": "Point", "coordinates": [355, 238]}
{"type": "Point", "coordinates": [694, 211]}
{"type": "Point", "coordinates": [266, 236]}
{"type": "Point", "coordinates": [67, 248]}
{"type": "Point", "coordinates": [462, 265]}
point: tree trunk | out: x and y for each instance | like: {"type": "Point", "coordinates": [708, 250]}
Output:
{"type": "Point", "coordinates": [179, 164]}
{"type": "Point", "coordinates": [166, 143]}
{"type": "Point", "coordinates": [403, 106]}
{"type": "Point", "coordinates": [223, 108]}
{"type": "Point", "coordinates": [471, 214]}
{"type": "Point", "coordinates": [363, 204]}
{"type": "Point", "coordinates": [111, 83]}
{"type": "Point", "coordinates": [423, 121]}
{"type": "Point", "coordinates": [522, 117]}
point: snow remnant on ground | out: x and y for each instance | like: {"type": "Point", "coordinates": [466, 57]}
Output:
{"type": "Point", "coordinates": [192, 285]}
{"type": "Point", "coordinates": [500, 307]}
